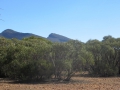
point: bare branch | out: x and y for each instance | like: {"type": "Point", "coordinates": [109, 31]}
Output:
{"type": "Point", "coordinates": [1, 20]}
{"type": "Point", "coordinates": [0, 15]}
{"type": "Point", "coordinates": [1, 9]}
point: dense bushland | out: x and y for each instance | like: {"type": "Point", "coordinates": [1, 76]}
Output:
{"type": "Point", "coordinates": [39, 59]}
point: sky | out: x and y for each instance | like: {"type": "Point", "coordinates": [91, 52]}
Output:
{"type": "Point", "coordinates": [76, 19]}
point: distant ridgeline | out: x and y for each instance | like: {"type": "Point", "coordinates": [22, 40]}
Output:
{"type": "Point", "coordinates": [57, 38]}
{"type": "Point", "coordinates": [9, 33]}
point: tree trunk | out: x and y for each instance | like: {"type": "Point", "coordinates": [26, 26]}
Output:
{"type": "Point", "coordinates": [119, 69]}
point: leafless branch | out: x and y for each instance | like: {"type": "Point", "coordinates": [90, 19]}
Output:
{"type": "Point", "coordinates": [0, 15]}
{"type": "Point", "coordinates": [1, 9]}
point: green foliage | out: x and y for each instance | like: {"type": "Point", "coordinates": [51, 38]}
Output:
{"type": "Point", "coordinates": [22, 60]}
{"type": "Point", "coordinates": [36, 70]}
{"type": "Point", "coordinates": [105, 57]}
{"type": "Point", "coordinates": [60, 57]}
{"type": "Point", "coordinates": [32, 58]}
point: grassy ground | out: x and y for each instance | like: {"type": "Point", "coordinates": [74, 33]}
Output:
{"type": "Point", "coordinates": [76, 83]}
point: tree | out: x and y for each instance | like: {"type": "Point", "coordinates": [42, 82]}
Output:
{"type": "Point", "coordinates": [4, 43]}
{"type": "Point", "coordinates": [61, 60]}
{"type": "Point", "coordinates": [105, 57]}
{"type": "Point", "coordinates": [27, 61]}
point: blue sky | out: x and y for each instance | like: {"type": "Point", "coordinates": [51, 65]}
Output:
{"type": "Point", "coordinates": [76, 19]}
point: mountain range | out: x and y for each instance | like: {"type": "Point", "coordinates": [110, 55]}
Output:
{"type": "Point", "coordinates": [9, 33]}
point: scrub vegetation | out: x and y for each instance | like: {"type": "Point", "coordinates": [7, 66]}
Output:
{"type": "Point", "coordinates": [38, 59]}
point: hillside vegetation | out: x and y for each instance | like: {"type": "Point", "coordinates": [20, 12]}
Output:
{"type": "Point", "coordinates": [38, 59]}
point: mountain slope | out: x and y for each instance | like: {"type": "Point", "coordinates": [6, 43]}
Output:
{"type": "Point", "coordinates": [9, 33]}
{"type": "Point", "coordinates": [57, 38]}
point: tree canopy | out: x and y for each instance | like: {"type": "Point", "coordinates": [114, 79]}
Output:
{"type": "Point", "coordinates": [36, 58]}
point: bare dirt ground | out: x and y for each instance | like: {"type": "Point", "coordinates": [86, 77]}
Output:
{"type": "Point", "coordinates": [76, 83]}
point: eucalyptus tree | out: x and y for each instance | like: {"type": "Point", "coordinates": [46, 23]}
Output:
{"type": "Point", "coordinates": [5, 57]}
{"type": "Point", "coordinates": [62, 61]}
{"type": "Point", "coordinates": [115, 45]}
{"type": "Point", "coordinates": [13, 59]}
{"type": "Point", "coordinates": [28, 59]}
{"type": "Point", "coordinates": [39, 66]}
{"type": "Point", "coordinates": [78, 55]}
{"type": "Point", "coordinates": [105, 55]}
{"type": "Point", "coordinates": [117, 49]}
{"type": "Point", "coordinates": [94, 46]}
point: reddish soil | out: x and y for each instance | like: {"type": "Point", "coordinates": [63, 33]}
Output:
{"type": "Point", "coordinates": [76, 83]}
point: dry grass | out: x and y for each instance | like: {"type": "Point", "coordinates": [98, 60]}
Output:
{"type": "Point", "coordinates": [76, 83]}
